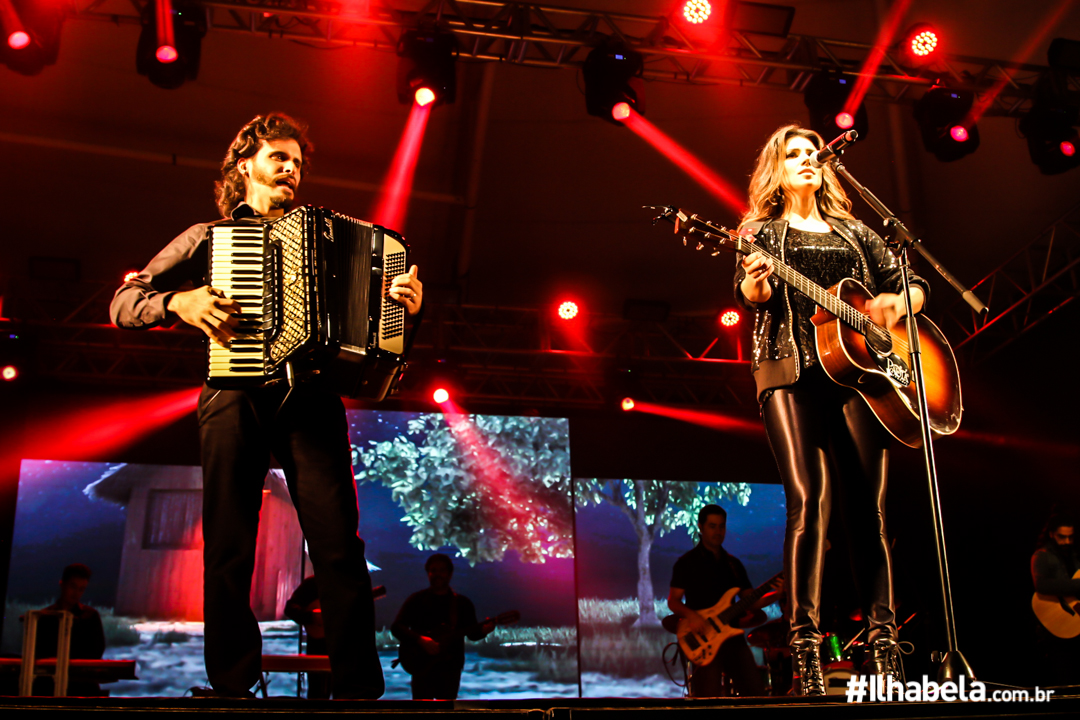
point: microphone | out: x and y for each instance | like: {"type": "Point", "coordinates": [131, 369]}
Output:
{"type": "Point", "coordinates": [834, 149]}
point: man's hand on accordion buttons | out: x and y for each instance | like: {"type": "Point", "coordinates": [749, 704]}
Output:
{"type": "Point", "coordinates": [209, 310]}
{"type": "Point", "coordinates": [408, 290]}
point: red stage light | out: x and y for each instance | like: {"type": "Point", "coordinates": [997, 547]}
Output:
{"type": "Point", "coordinates": [166, 54]}
{"type": "Point", "coordinates": [958, 133]}
{"type": "Point", "coordinates": [568, 310]}
{"type": "Point", "coordinates": [923, 42]}
{"type": "Point", "coordinates": [621, 111]}
{"type": "Point", "coordinates": [441, 395]}
{"type": "Point", "coordinates": [697, 11]}
{"type": "Point", "coordinates": [392, 206]}
{"type": "Point", "coordinates": [10, 372]}
{"type": "Point", "coordinates": [627, 404]}
{"type": "Point", "coordinates": [1067, 148]}
{"type": "Point", "coordinates": [131, 275]}
{"type": "Point", "coordinates": [18, 40]}
{"type": "Point", "coordinates": [730, 318]}
{"type": "Point", "coordinates": [424, 96]}
{"type": "Point", "coordinates": [844, 120]}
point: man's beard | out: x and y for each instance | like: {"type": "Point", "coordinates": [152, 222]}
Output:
{"type": "Point", "coordinates": [277, 201]}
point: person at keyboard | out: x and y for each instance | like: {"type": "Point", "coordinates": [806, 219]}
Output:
{"type": "Point", "coordinates": [305, 430]}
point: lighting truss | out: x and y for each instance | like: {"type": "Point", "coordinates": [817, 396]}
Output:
{"type": "Point", "coordinates": [505, 359]}
{"type": "Point", "coordinates": [558, 37]}
{"type": "Point", "coordinates": [1040, 278]}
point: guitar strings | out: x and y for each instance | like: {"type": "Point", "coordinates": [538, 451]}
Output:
{"type": "Point", "coordinates": [855, 318]}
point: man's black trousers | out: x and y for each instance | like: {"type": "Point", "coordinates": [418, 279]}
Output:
{"type": "Point", "coordinates": [308, 435]}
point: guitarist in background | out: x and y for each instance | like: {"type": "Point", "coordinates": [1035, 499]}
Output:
{"type": "Point", "coordinates": [1052, 568]}
{"type": "Point", "coordinates": [698, 581]}
{"type": "Point", "coordinates": [432, 626]}
{"type": "Point", "coordinates": [824, 437]}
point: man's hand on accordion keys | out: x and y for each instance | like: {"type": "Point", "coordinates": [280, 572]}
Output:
{"type": "Point", "coordinates": [209, 310]}
{"type": "Point", "coordinates": [408, 290]}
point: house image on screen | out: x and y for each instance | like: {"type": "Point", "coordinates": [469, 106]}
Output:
{"type": "Point", "coordinates": [161, 568]}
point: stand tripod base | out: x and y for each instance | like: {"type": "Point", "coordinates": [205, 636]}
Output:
{"type": "Point", "coordinates": [954, 666]}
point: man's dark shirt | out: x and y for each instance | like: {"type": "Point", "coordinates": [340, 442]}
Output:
{"type": "Point", "coordinates": [141, 301]}
{"type": "Point", "coordinates": [1052, 571]}
{"type": "Point", "coordinates": [87, 634]}
{"type": "Point", "coordinates": [705, 578]}
{"type": "Point", "coordinates": [427, 614]}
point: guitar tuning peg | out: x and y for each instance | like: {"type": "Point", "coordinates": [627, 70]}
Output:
{"type": "Point", "coordinates": [715, 253]}
{"type": "Point", "coordinates": [699, 246]}
{"type": "Point", "coordinates": [684, 241]}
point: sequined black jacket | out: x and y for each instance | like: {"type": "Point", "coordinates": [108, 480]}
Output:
{"type": "Point", "coordinates": [775, 362]}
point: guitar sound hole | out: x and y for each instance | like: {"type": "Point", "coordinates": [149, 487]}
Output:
{"type": "Point", "coordinates": [878, 339]}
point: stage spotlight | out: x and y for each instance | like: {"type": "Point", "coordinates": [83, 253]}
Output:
{"type": "Point", "coordinates": [697, 11]}
{"type": "Point", "coordinates": [9, 372]}
{"type": "Point", "coordinates": [568, 310]}
{"type": "Point", "coordinates": [729, 318]}
{"type": "Point", "coordinates": [424, 96]}
{"type": "Point", "coordinates": [627, 404]}
{"type": "Point", "coordinates": [31, 31]}
{"type": "Point", "coordinates": [621, 111]}
{"type": "Point", "coordinates": [441, 395]}
{"type": "Point", "coordinates": [825, 96]}
{"type": "Point", "coordinates": [922, 43]}
{"type": "Point", "coordinates": [612, 74]}
{"type": "Point", "coordinates": [942, 115]}
{"type": "Point", "coordinates": [170, 43]}
{"type": "Point", "coordinates": [426, 62]}
{"type": "Point", "coordinates": [131, 275]}
{"type": "Point", "coordinates": [1051, 137]}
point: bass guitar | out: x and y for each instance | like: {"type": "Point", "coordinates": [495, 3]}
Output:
{"type": "Point", "coordinates": [721, 621]}
{"type": "Point", "coordinates": [853, 350]}
{"type": "Point", "coordinates": [1059, 615]}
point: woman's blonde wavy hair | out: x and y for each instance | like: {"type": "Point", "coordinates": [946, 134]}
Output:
{"type": "Point", "coordinates": [766, 190]}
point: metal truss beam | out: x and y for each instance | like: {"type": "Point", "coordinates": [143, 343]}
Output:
{"type": "Point", "coordinates": [1041, 278]}
{"type": "Point", "coordinates": [559, 37]}
{"type": "Point", "coordinates": [502, 358]}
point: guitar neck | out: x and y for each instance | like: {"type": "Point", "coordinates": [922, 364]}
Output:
{"type": "Point", "coordinates": [744, 605]}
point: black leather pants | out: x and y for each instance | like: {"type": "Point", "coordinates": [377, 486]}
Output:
{"type": "Point", "coordinates": [830, 449]}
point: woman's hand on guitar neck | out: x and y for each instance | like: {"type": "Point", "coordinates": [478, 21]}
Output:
{"type": "Point", "coordinates": [887, 309]}
{"type": "Point", "coordinates": [755, 286]}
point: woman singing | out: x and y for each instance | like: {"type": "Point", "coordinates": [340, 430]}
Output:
{"type": "Point", "coordinates": [826, 441]}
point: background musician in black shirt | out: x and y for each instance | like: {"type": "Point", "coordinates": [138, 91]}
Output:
{"type": "Point", "coordinates": [698, 581]}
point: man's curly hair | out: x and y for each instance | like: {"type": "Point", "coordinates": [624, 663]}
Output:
{"type": "Point", "coordinates": [231, 189]}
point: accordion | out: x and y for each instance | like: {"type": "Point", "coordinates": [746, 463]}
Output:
{"type": "Point", "coordinates": [313, 287]}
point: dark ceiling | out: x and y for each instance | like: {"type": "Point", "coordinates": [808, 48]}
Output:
{"type": "Point", "coordinates": [559, 192]}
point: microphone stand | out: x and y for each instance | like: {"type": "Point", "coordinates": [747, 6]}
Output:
{"type": "Point", "coordinates": [953, 665]}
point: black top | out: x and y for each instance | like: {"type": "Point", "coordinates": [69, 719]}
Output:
{"type": "Point", "coordinates": [1052, 569]}
{"type": "Point", "coordinates": [705, 578]}
{"type": "Point", "coordinates": [448, 619]}
{"type": "Point", "coordinates": [825, 258]}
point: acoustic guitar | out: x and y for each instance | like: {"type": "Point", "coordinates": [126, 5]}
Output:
{"type": "Point", "coordinates": [721, 621]}
{"type": "Point", "coordinates": [1059, 615]}
{"type": "Point", "coordinates": [853, 350]}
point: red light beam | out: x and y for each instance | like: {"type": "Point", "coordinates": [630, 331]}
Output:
{"type": "Point", "coordinates": [716, 185]}
{"type": "Point", "coordinates": [982, 104]}
{"type": "Point", "coordinates": [97, 432]}
{"type": "Point", "coordinates": [390, 208]}
{"type": "Point", "coordinates": [713, 421]}
{"type": "Point", "coordinates": [877, 54]}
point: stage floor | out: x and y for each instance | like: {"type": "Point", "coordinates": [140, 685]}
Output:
{"type": "Point", "coordinates": [1065, 703]}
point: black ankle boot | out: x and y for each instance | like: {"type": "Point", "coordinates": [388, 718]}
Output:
{"type": "Point", "coordinates": [806, 676]}
{"type": "Point", "coordinates": [883, 658]}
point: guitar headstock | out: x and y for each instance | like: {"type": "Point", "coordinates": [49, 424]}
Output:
{"type": "Point", "coordinates": [716, 237]}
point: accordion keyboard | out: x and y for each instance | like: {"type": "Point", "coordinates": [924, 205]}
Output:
{"type": "Point", "coordinates": [238, 268]}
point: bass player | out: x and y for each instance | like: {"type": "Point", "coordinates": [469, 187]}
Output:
{"type": "Point", "coordinates": [698, 582]}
